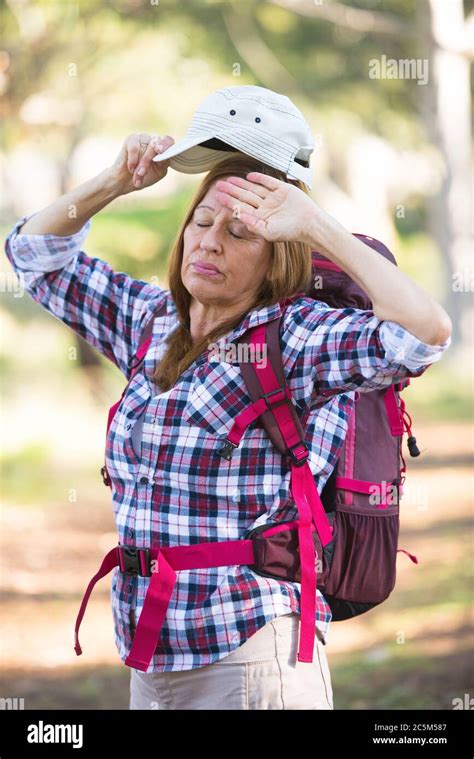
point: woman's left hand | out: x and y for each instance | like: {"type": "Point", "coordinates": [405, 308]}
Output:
{"type": "Point", "coordinates": [276, 210]}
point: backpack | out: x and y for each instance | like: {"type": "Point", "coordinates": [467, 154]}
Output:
{"type": "Point", "coordinates": [342, 542]}
{"type": "Point", "coordinates": [362, 495]}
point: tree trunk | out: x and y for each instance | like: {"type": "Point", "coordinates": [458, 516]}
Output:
{"type": "Point", "coordinates": [445, 109]}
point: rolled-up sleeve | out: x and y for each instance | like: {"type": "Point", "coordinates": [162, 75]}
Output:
{"type": "Point", "coordinates": [340, 350]}
{"type": "Point", "coordinates": [104, 307]}
{"type": "Point", "coordinates": [403, 347]}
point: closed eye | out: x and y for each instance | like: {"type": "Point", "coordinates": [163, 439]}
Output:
{"type": "Point", "coordinates": [237, 237]}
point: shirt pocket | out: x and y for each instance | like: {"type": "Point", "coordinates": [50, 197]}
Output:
{"type": "Point", "coordinates": [216, 397]}
{"type": "Point", "coordinates": [123, 440]}
{"type": "Point", "coordinates": [249, 480]}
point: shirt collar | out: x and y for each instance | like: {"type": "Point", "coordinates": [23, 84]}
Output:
{"type": "Point", "coordinates": [253, 319]}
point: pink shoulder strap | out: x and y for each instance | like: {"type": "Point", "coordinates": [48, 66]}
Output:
{"type": "Point", "coordinates": [271, 396]}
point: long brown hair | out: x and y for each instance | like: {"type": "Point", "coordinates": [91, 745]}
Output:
{"type": "Point", "coordinates": [289, 273]}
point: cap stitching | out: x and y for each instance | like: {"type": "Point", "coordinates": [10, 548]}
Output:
{"type": "Point", "coordinates": [267, 103]}
{"type": "Point", "coordinates": [235, 128]}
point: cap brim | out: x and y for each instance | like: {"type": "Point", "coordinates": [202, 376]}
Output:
{"type": "Point", "coordinates": [189, 157]}
{"type": "Point", "coordinates": [180, 146]}
{"type": "Point", "coordinates": [302, 173]}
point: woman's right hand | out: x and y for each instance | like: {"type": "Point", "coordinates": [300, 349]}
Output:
{"type": "Point", "coordinates": [133, 169]}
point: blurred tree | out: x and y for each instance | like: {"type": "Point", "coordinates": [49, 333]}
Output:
{"type": "Point", "coordinates": [446, 112]}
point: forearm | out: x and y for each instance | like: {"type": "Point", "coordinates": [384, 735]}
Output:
{"type": "Point", "coordinates": [68, 214]}
{"type": "Point", "coordinates": [395, 297]}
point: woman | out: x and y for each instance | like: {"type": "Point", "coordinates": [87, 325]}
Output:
{"type": "Point", "coordinates": [230, 636]}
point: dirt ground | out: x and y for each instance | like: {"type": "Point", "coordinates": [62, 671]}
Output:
{"type": "Point", "coordinates": [413, 652]}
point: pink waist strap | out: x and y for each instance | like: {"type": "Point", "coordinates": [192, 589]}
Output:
{"type": "Point", "coordinates": [165, 562]}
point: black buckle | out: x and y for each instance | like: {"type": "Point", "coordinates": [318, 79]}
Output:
{"type": "Point", "coordinates": [130, 560]}
{"type": "Point", "coordinates": [291, 453]}
{"type": "Point", "coordinates": [227, 450]}
{"type": "Point", "coordinates": [397, 484]}
{"type": "Point", "coordinates": [105, 476]}
{"type": "Point", "coordinates": [266, 396]}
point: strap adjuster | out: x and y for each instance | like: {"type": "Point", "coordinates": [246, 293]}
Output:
{"type": "Point", "coordinates": [298, 457]}
{"type": "Point", "coordinates": [284, 399]}
{"type": "Point", "coordinates": [134, 561]}
{"type": "Point", "coordinates": [397, 483]}
{"type": "Point", "coordinates": [227, 450]}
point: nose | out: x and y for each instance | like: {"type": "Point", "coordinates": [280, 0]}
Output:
{"type": "Point", "coordinates": [211, 240]}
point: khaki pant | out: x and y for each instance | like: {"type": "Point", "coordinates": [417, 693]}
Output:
{"type": "Point", "coordinates": [263, 673]}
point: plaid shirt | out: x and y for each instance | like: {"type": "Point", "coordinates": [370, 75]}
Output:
{"type": "Point", "coordinates": [168, 485]}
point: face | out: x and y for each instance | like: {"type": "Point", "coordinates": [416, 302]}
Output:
{"type": "Point", "coordinates": [223, 262]}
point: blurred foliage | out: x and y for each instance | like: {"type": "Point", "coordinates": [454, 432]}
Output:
{"type": "Point", "coordinates": [30, 478]}
{"type": "Point", "coordinates": [15, 468]}
{"type": "Point", "coordinates": [326, 63]}
{"type": "Point", "coordinates": [138, 239]}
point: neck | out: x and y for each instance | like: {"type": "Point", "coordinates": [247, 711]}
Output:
{"type": "Point", "coordinates": [204, 317]}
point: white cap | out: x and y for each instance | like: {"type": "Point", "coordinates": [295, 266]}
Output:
{"type": "Point", "coordinates": [253, 120]}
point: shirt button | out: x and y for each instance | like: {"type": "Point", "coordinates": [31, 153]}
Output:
{"type": "Point", "coordinates": [131, 533]}
{"type": "Point", "coordinates": [128, 426]}
{"type": "Point", "coordinates": [236, 638]}
{"type": "Point", "coordinates": [144, 480]}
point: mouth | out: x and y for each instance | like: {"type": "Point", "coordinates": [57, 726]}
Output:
{"type": "Point", "coordinates": [207, 269]}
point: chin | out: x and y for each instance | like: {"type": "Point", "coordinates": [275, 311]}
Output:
{"type": "Point", "coordinates": [202, 291]}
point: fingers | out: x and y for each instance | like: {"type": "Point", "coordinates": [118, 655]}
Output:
{"type": "Point", "coordinates": [256, 189]}
{"type": "Point", "coordinates": [166, 142]}
{"type": "Point", "coordinates": [237, 205]}
{"type": "Point", "coordinates": [135, 148]}
{"type": "Point", "coordinates": [237, 188]}
{"type": "Point", "coordinates": [154, 147]}
{"type": "Point", "coordinates": [134, 151]}
{"type": "Point", "coordinates": [253, 224]}
{"type": "Point", "coordinates": [271, 183]}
